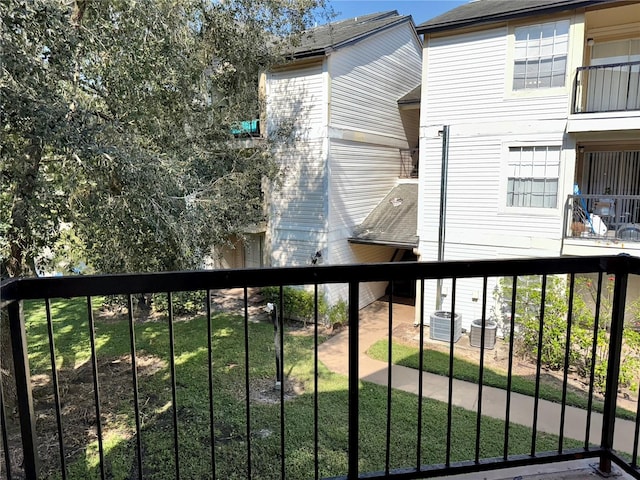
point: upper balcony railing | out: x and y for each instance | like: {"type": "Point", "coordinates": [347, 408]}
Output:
{"type": "Point", "coordinates": [605, 217]}
{"type": "Point", "coordinates": [246, 128]}
{"type": "Point", "coordinates": [607, 88]}
{"type": "Point", "coordinates": [409, 162]}
{"type": "Point", "coordinates": [125, 396]}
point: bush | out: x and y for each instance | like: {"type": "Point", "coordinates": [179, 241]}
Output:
{"type": "Point", "coordinates": [298, 304]}
{"type": "Point", "coordinates": [554, 334]}
{"type": "Point", "coordinates": [120, 303]}
{"type": "Point", "coordinates": [527, 311]}
{"type": "Point", "coordinates": [338, 313]}
{"type": "Point", "coordinates": [115, 303]}
{"type": "Point", "coordinates": [184, 303]}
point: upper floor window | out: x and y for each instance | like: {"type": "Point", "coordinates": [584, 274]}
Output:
{"type": "Point", "coordinates": [541, 55]}
{"type": "Point", "coordinates": [533, 174]}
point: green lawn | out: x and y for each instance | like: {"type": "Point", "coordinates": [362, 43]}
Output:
{"type": "Point", "coordinates": [437, 362]}
{"type": "Point", "coordinates": [112, 340]}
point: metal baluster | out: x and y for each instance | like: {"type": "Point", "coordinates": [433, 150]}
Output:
{"type": "Point", "coordinates": [389, 383]}
{"type": "Point", "coordinates": [481, 368]}
{"type": "Point", "coordinates": [592, 373]}
{"type": "Point", "coordinates": [512, 324]}
{"type": "Point", "coordinates": [247, 385]}
{"type": "Point", "coordinates": [634, 458]}
{"type": "Point", "coordinates": [316, 466]}
{"type": "Point", "coordinates": [23, 389]}
{"type": "Point", "coordinates": [354, 380]}
{"type": "Point", "coordinates": [613, 367]}
{"type": "Point", "coordinates": [451, 358]}
{"type": "Point", "coordinates": [567, 351]}
{"type": "Point", "coordinates": [536, 397]}
{"type": "Point", "coordinates": [174, 393]}
{"type": "Point", "coordinates": [56, 389]}
{"type": "Point", "coordinates": [420, 378]}
{"type": "Point", "coordinates": [210, 370]}
{"type": "Point", "coordinates": [5, 440]}
{"type": "Point", "coordinates": [282, 384]}
{"type": "Point", "coordinates": [96, 389]}
{"type": "Point", "coordinates": [134, 380]}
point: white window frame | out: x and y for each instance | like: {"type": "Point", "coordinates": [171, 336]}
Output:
{"type": "Point", "coordinates": [503, 208]}
{"type": "Point", "coordinates": [571, 55]}
{"type": "Point", "coordinates": [540, 53]}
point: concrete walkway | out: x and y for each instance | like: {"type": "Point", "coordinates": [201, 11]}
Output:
{"type": "Point", "coordinates": [374, 327]}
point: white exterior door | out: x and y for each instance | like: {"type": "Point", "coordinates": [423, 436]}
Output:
{"type": "Point", "coordinates": [253, 251]}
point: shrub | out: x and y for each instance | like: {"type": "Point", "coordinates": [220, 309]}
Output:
{"type": "Point", "coordinates": [120, 303]}
{"type": "Point", "coordinates": [184, 303]}
{"type": "Point", "coordinates": [298, 304]}
{"type": "Point", "coordinates": [527, 311]}
{"type": "Point", "coordinates": [338, 313]}
{"type": "Point", "coordinates": [115, 303]}
{"type": "Point", "coordinates": [554, 334]}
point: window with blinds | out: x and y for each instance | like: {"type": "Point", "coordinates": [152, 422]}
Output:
{"type": "Point", "coordinates": [540, 59]}
{"type": "Point", "coordinates": [533, 174]}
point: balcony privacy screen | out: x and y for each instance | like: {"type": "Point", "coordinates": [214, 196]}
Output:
{"type": "Point", "coordinates": [613, 173]}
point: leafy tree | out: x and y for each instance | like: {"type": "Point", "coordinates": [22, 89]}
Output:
{"type": "Point", "coordinates": [115, 140]}
{"type": "Point", "coordinates": [116, 123]}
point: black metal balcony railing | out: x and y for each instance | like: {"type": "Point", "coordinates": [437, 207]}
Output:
{"type": "Point", "coordinates": [607, 88]}
{"type": "Point", "coordinates": [19, 294]}
{"type": "Point", "coordinates": [607, 217]}
{"type": "Point", "coordinates": [246, 128]}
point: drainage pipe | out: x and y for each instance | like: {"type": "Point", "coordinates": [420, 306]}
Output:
{"type": "Point", "coordinates": [444, 170]}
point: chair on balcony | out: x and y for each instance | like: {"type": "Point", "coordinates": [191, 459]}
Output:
{"type": "Point", "coordinates": [598, 227]}
{"type": "Point", "coordinates": [629, 232]}
{"type": "Point", "coordinates": [605, 208]}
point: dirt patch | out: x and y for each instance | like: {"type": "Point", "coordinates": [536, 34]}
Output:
{"type": "Point", "coordinates": [265, 390]}
{"type": "Point", "coordinates": [231, 300]}
{"type": "Point", "coordinates": [77, 399]}
{"type": "Point", "coordinates": [78, 411]}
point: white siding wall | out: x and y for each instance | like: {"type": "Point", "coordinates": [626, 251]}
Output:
{"type": "Point", "coordinates": [467, 82]}
{"type": "Point", "coordinates": [467, 85]}
{"type": "Point", "coordinates": [369, 292]}
{"type": "Point", "coordinates": [361, 176]}
{"type": "Point", "coordinates": [476, 195]}
{"type": "Point", "coordinates": [297, 210]}
{"type": "Point", "coordinates": [297, 203]}
{"type": "Point", "coordinates": [366, 132]}
{"type": "Point", "coordinates": [297, 98]}
{"type": "Point", "coordinates": [346, 155]}
{"type": "Point", "coordinates": [368, 78]}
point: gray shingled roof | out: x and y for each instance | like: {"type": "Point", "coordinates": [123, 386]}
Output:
{"type": "Point", "coordinates": [489, 11]}
{"type": "Point", "coordinates": [394, 221]}
{"type": "Point", "coordinates": [412, 97]}
{"type": "Point", "coordinates": [319, 40]}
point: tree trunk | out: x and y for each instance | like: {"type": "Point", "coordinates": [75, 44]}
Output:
{"type": "Point", "coordinates": [19, 263]}
{"type": "Point", "coordinates": [6, 363]}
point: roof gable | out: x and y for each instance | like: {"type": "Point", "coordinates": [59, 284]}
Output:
{"type": "Point", "coordinates": [320, 40]}
{"type": "Point", "coordinates": [490, 11]}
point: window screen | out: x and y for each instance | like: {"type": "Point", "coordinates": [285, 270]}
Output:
{"type": "Point", "coordinates": [533, 174]}
{"type": "Point", "coordinates": [541, 55]}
